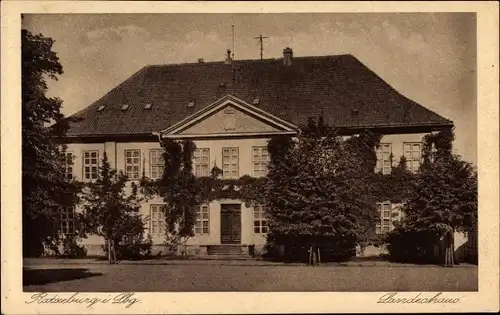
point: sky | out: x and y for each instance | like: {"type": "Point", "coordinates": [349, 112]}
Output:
{"type": "Point", "coordinates": [428, 57]}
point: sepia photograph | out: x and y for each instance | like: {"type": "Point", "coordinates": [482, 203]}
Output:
{"type": "Point", "coordinates": [248, 152]}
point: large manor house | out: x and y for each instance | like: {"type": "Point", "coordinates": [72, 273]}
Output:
{"type": "Point", "coordinates": [230, 109]}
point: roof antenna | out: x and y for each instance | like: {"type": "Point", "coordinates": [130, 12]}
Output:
{"type": "Point", "coordinates": [232, 26]}
{"type": "Point", "coordinates": [260, 38]}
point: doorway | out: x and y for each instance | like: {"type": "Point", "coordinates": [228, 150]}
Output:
{"type": "Point", "coordinates": [230, 224]}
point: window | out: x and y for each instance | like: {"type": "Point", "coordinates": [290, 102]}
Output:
{"type": "Point", "coordinates": [260, 159]}
{"type": "Point", "coordinates": [90, 165]}
{"type": "Point", "coordinates": [157, 220]}
{"type": "Point", "coordinates": [230, 162]}
{"type": "Point", "coordinates": [385, 214]}
{"type": "Point", "coordinates": [259, 219]}
{"type": "Point", "coordinates": [412, 153]}
{"type": "Point", "coordinates": [201, 162]}
{"type": "Point", "coordinates": [67, 158]}
{"type": "Point", "coordinates": [156, 163]}
{"type": "Point", "coordinates": [201, 225]}
{"type": "Point", "coordinates": [125, 107]}
{"type": "Point", "coordinates": [128, 239]}
{"type": "Point", "coordinates": [68, 220]}
{"type": "Point", "coordinates": [132, 163]}
{"type": "Point", "coordinates": [384, 158]}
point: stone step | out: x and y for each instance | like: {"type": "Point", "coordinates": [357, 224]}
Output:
{"type": "Point", "coordinates": [228, 250]}
{"type": "Point", "coordinates": [225, 257]}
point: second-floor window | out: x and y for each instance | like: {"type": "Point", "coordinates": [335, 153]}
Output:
{"type": "Point", "coordinates": [90, 165]}
{"type": "Point", "coordinates": [412, 153]}
{"type": "Point", "coordinates": [157, 220]}
{"type": "Point", "coordinates": [259, 220]}
{"type": "Point", "coordinates": [384, 152]}
{"type": "Point", "coordinates": [201, 163]}
{"type": "Point", "coordinates": [260, 160]}
{"type": "Point", "coordinates": [132, 163]}
{"type": "Point", "coordinates": [202, 224]}
{"type": "Point", "coordinates": [67, 158]}
{"type": "Point", "coordinates": [230, 162]}
{"type": "Point", "coordinates": [68, 220]}
{"type": "Point", "coordinates": [156, 163]}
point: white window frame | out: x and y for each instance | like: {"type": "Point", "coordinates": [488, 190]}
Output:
{"type": "Point", "coordinates": [230, 162]}
{"type": "Point", "coordinates": [384, 163]}
{"type": "Point", "coordinates": [157, 225]}
{"type": "Point", "coordinates": [68, 164]}
{"type": "Point", "coordinates": [156, 163]}
{"type": "Point", "coordinates": [385, 212]}
{"type": "Point", "coordinates": [135, 162]}
{"type": "Point", "coordinates": [201, 162]}
{"type": "Point", "coordinates": [202, 223]}
{"type": "Point", "coordinates": [68, 221]}
{"type": "Point", "coordinates": [260, 161]}
{"type": "Point", "coordinates": [259, 220]}
{"type": "Point", "coordinates": [93, 167]}
{"type": "Point", "coordinates": [413, 157]}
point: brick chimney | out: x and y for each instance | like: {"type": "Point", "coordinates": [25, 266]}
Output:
{"type": "Point", "coordinates": [228, 58]}
{"type": "Point", "coordinates": [287, 56]}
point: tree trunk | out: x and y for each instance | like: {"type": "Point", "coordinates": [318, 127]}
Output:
{"type": "Point", "coordinates": [114, 252]}
{"type": "Point", "coordinates": [318, 255]}
{"type": "Point", "coordinates": [448, 259]}
{"type": "Point", "coordinates": [310, 261]}
{"type": "Point", "coordinates": [109, 250]}
{"type": "Point", "coordinates": [455, 260]}
{"type": "Point", "coordinates": [314, 255]}
{"type": "Point", "coordinates": [452, 248]}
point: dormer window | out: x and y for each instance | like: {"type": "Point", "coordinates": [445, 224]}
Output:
{"type": "Point", "coordinates": [125, 107]}
{"type": "Point", "coordinates": [256, 101]}
{"type": "Point", "coordinates": [148, 106]}
{"type": "Point", "coordinates": [101, 108]}
{"type": "Point", "coordinates": [191, 103]}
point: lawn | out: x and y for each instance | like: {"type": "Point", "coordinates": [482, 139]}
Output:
{"type": "Point", "coordinates": [244, 276]}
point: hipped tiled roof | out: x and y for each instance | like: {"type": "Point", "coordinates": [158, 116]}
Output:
{"type": "Point", "coordinates": [340, 88]}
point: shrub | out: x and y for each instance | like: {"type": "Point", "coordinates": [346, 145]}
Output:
{"type": "Point", "coordinates": [132, 247]}
{"type": "Point", "coordinates": [297, 250]}
{"type": "Point", "coordinates": [409, 246]}
{"type": "Point", "coordinates": [71, 248]}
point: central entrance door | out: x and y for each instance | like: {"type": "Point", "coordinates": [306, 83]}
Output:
{"type": "Point", "coordinates": [230, 224]}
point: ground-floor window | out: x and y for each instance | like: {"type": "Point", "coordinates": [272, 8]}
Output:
{"type": "Point", "coordinates": [68, 220]}
{"type": "Point", "coordinates": [202, 225]}
{"type": "Point", "coordinates": [128, 239]}
{"type": "Point", "coordinates": [157, 220]}
{"type": "Point", "coordinates": [388, 213]}
{"type": "Point", "coordinates": [259, 219]}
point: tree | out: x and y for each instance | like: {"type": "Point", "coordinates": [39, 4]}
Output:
{"type": "Point", "coordinates": [318, 189]}
{"type": "Point", "coordinates": [45, 187]}
{"type": "Point", "coordinates": [445, 193]}
{"type": "Point", "coordinates": [179, 189]}
{"type": "Point", "coordinates": [111, 212]}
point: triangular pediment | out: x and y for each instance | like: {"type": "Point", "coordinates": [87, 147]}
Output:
{"type": "Point", "coordinates": [229, 116]}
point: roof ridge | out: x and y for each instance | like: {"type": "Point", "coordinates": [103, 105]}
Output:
{"type": "Point", "coordinates": [243, 60]}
